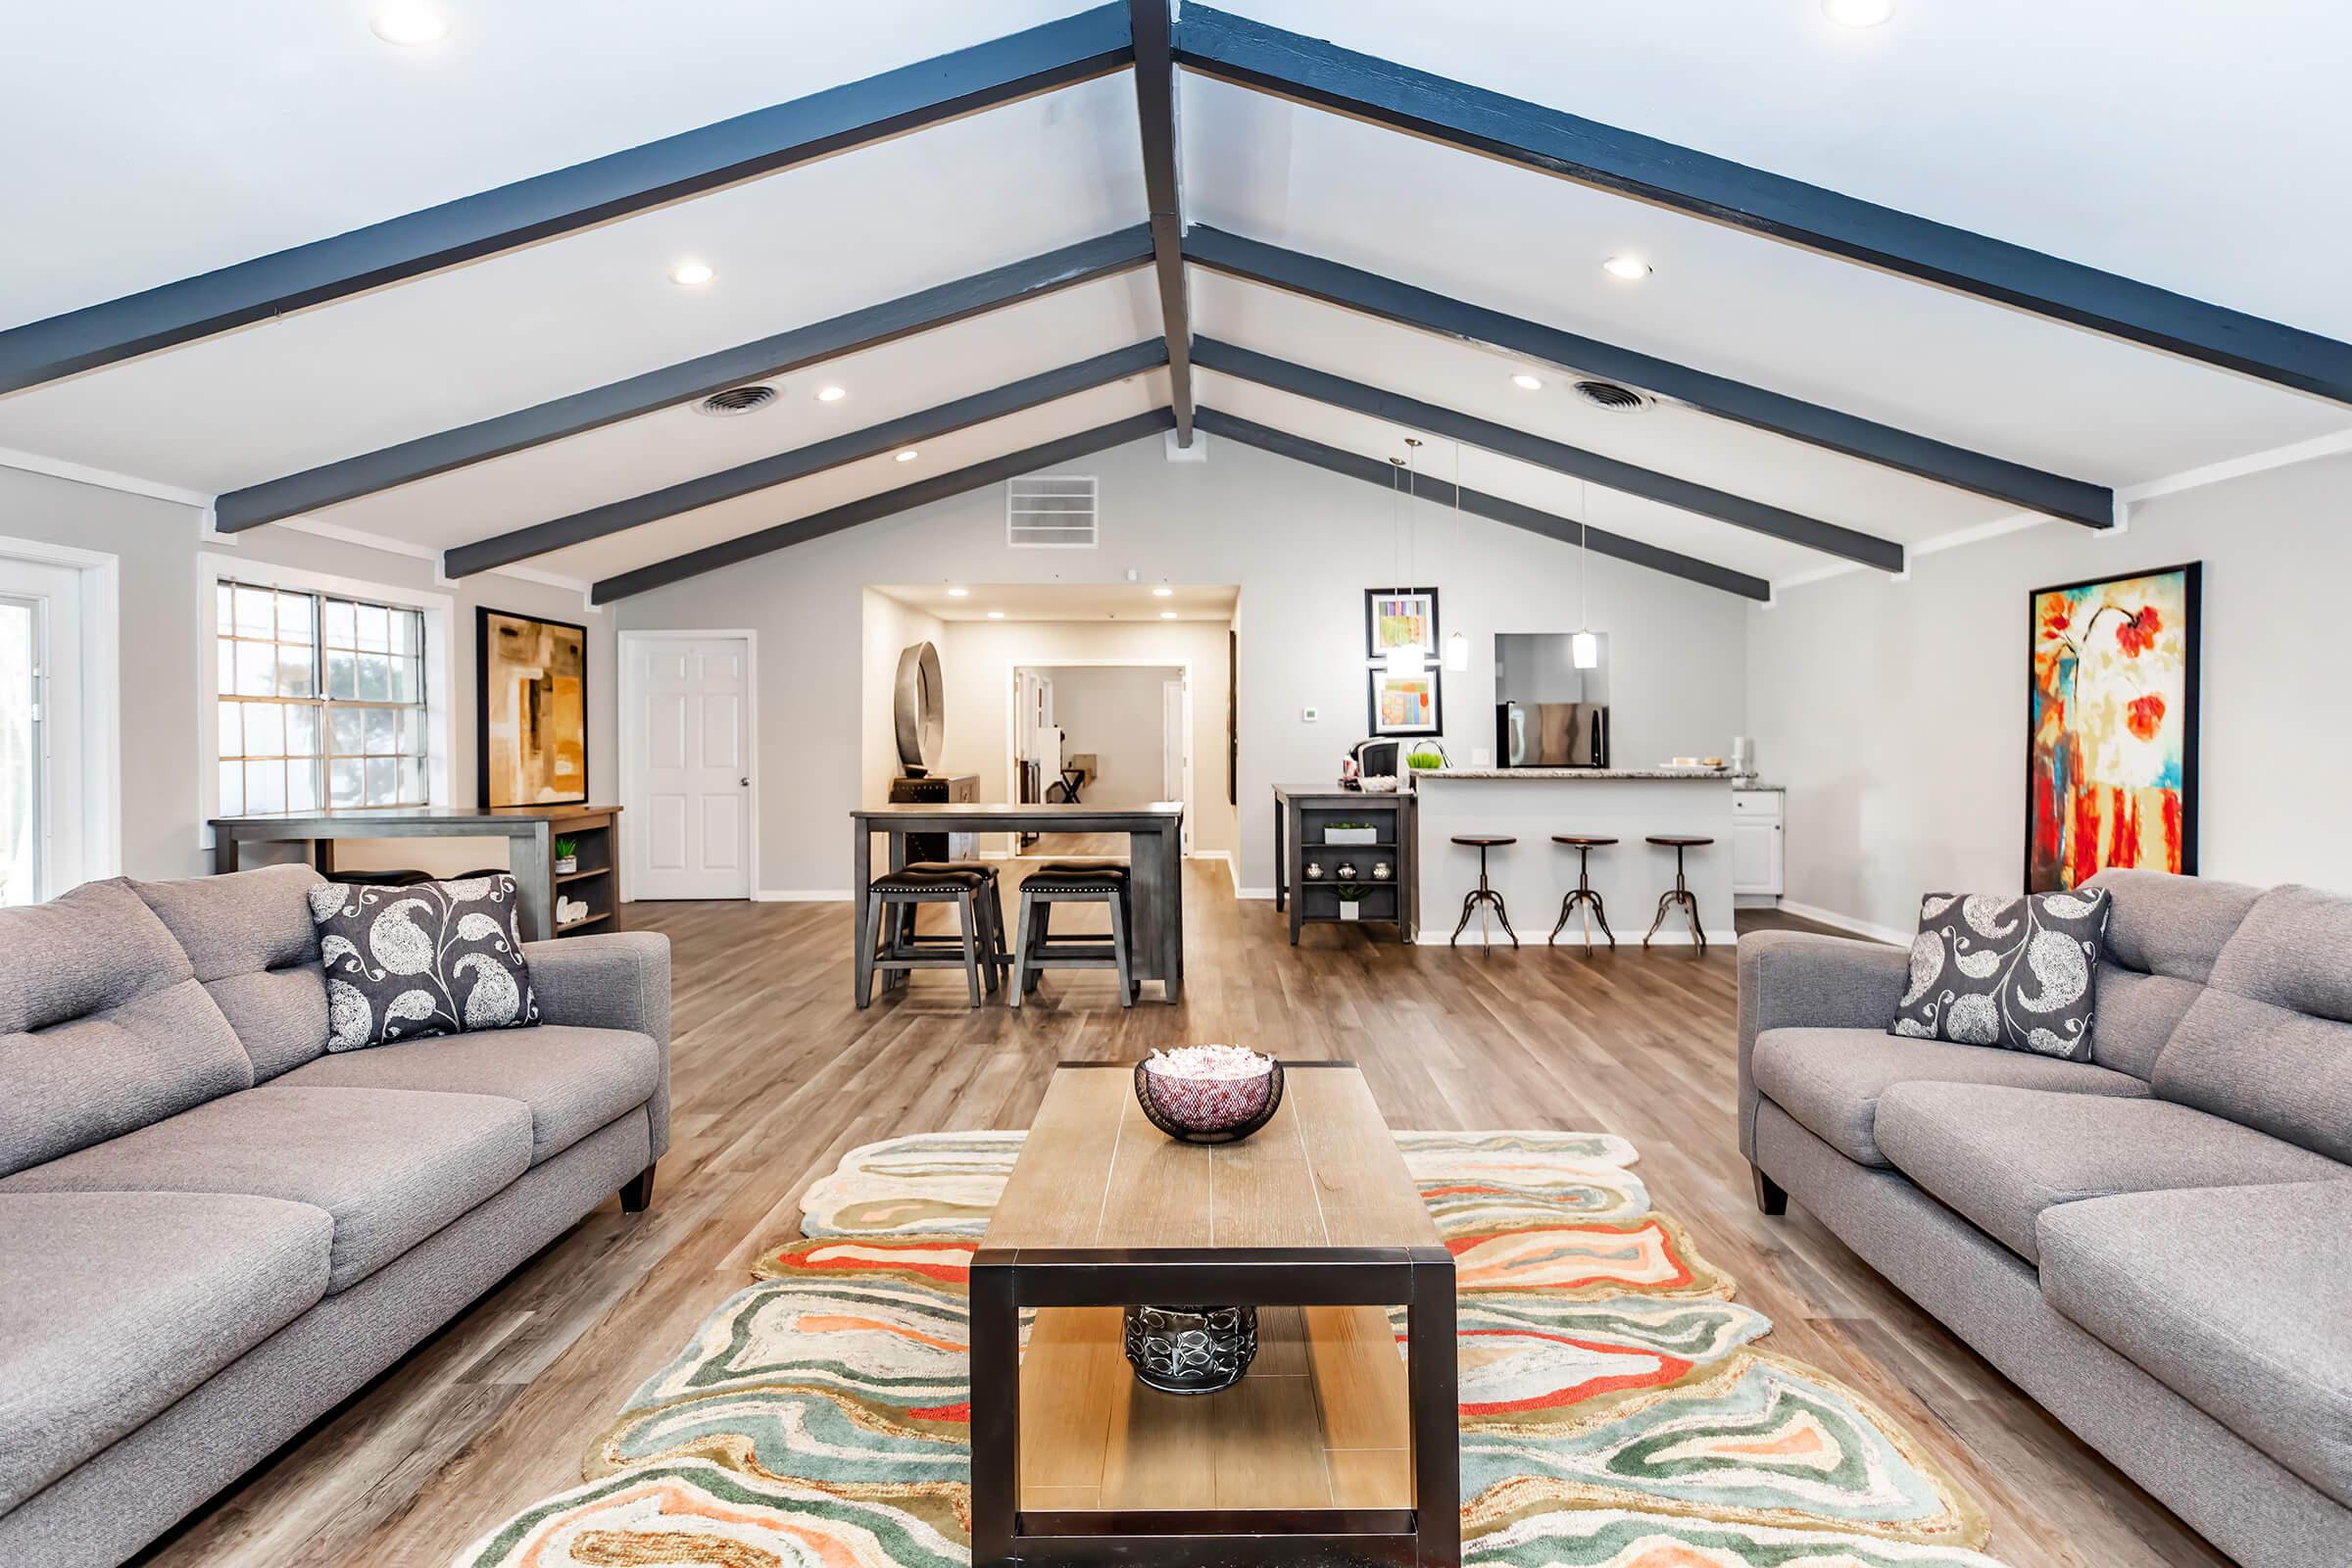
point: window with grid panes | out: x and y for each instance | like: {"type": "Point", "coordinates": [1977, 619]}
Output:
{"type": "Point", "coordinates": [322, 702]}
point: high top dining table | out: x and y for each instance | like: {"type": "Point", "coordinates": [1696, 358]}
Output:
{"type": "Point", "coordinates": [1155, 855]}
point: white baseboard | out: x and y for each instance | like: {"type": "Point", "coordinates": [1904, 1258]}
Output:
{"type": "Point", "coordinates": [1264, 893]}
{"type": "Point", "coordinates": [802, 895]}
{"type": "Point", "coordinates": [1574, 937]}
{"type": "Point", "coordinates": [1846, 922]}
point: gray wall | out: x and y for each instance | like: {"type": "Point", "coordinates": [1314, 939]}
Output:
{"type": "Point", "coordinates": [159, 542]}
{"type": "Point", "coordinates": [1302, 545]}
{"type": "Point", "coordinates": [1894, 712]}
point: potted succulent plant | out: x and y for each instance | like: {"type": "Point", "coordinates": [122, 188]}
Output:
{"type": "Point", "coordinates": [1352, 900]}
{"type": "Point", "coordinates": [568, 856]}
{"type": "Point", "coordinates": [1351, 833]}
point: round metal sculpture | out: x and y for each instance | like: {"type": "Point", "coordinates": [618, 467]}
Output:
{"type": "Point", "coordinates": [1159, 1116]}
{"type": "Point", "coordinates": [918, 709]}
{"type": "Point", "coordinates": [1190, 1350]}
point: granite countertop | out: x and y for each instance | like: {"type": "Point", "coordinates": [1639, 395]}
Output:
{"type": "Point", "coordinates": [1709, 775]}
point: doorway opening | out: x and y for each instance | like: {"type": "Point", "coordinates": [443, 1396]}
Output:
{"type": "Point", "coordinates": [1108, 732]}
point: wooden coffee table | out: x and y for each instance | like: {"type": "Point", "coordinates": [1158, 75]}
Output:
{"type": "Point", "coordinates": [1332, 1451]}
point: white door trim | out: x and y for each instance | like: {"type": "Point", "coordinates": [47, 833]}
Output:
{"type": "Point", "coordinates": [632, 783]}
{"type": "Point", "coordinates": [1012, 717]}
{"type": "Point", "coordinates": [101, 615]}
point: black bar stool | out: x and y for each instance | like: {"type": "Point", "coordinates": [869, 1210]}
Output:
{"type": "Point", "coordinates": [1105, 882]}
{"type": "Point", "coordinates": [1680, 892]}
{"type": "Point", "coordinates": [977, 948]}
{"type": "Point", "coordinates": [1483, 895]}
{"type": "Point", "coordinates": [1583, 893]}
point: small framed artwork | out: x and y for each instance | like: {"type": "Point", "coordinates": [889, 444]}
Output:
{"type": "Point", "coordinates": [531, 709]}
{"type": "Point", "coordinates": [1401, 617]}
{"type": "Point", "coordinates": [1404, 704]}
{"type": "Point", "coordinates": [2111, 726]}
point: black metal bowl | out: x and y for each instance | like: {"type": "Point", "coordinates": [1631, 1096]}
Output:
{"type": "Point", "coordinates": [1178, 1130]}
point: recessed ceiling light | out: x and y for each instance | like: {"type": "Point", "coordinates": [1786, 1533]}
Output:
{"type": "Point", "coordinates": [1167, 615]}
{"type": "Point", "coordinates": [408, 24]}
{"type": "Point", "coordinates": [831, 394]}
{"type": "Point", "coordinates": [1163, 591]}
{"type": "Point", "coordinates": [1857, 12]}
{"type": "Point", "coordinates": [908, 456]}
{"type": "Point", "coordinates": [995, 614]}
{"type": "Point", "coordinates": [690, 274]}
{"type": "Point", "coordinates": [958, 593]}
{"type": "Point", "coordinates": [1633, 269]}
{"type": "Point", "coordinates": [1528, 383]}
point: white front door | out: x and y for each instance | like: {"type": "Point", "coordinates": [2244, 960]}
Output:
{"type": "Point", "coordinates": [686, 766]}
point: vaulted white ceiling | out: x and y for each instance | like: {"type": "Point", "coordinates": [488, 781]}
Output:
{"type": "Point", "coordinates": [2191, 146]}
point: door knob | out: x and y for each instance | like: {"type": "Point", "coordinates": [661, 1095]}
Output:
{"type": "Point", "coordinates": [745, 782]}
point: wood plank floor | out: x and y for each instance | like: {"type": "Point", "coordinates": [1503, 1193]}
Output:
{"type": "Point", "coordinates": [776, 1074]}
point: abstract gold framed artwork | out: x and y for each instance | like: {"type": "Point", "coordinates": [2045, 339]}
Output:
{"type": "Point", "coordinates": [2111, 737]}
{"type": "Point", "coordinates": [531, 708]}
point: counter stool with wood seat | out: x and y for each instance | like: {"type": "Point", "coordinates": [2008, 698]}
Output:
{"type": "Point", "coordinates": [1483, 896]}
{"type": "Point", "coordinates": [1680, 892]}
{"type": "Point", "coordinates": [1036, 948]}
{"type": "Point", "coordinates": [1582, 895]}
{"type": "Point", "coordinates": [977, 948]}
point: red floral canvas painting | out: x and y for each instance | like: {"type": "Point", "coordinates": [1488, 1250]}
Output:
{"type": "Point", "coordinates": [2111, 747]}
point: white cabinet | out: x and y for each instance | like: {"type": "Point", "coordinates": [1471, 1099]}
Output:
{"type": "Point", "coordinates": [1756, 843]}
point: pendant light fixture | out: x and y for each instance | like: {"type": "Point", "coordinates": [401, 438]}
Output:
{"type": "Point", "coordinates": [1457, 646]}
{"type": "Point", "coordinates": [1583, 647]}
{"type": "Point", "coordinates": [1404, 662]}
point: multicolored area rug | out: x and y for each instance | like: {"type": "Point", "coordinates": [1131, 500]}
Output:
{"type": "Point", "coordinates": [1615, 1409]}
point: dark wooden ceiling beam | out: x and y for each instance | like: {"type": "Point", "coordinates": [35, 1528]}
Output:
{"type": "Point", "coordinates": [1058, 54]}
{"type": "Point", "coordinates": [1153, 31]}
{"type": "Point", "coordinates": [872, 509]}
{"type": "Point", "coordinates": [1385, 92]}
{"type": "Point", "coordinates": [1374, 470]}
{"type": "Point", "coordinates": [2015, 483]}
{"type": "Point", "coordinates": [352, 478]}
{"type": "Point", "coordinates": [597, 522]}
{"type": "Point", "coordinates": [1775, 523]}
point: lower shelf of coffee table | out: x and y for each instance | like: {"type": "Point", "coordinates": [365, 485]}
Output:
{"type": "Point", "coordinates": [1321, 1420]}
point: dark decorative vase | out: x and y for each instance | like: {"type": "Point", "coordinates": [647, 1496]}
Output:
{"type": "Point", "coordinates": [1190, 1350]}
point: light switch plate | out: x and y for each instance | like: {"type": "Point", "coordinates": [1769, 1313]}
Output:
{"type": "Point", "coordinates": [1307, 715]}
{"type": "Point", "coordinates": [1482, 757]}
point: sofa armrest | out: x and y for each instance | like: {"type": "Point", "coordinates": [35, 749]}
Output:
{"type": "Point", "coordinates": [1795, 979]}
{"type": "Point", "coordinates": [616, 980]}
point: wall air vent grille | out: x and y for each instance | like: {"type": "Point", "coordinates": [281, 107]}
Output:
{"type": "Point", "coordinates": [1050, 511]}
{"type": "Point", "coordinates": [736, 399]}
{"type": "Point", "coordinates": [1609, 395]}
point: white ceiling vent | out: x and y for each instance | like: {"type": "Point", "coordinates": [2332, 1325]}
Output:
{"type": "Point", "coordinates": [736, 399]}
{"type": "Point", "coordinates": [1050, 511]}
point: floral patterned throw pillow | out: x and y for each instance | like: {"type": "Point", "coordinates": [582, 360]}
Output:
{"type": "Point", "coordinates": [432, 958]}
{"type": "Point", "coordinates": [2014, 972]}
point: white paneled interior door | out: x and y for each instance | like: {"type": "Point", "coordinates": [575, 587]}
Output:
{"type": "Point", "coordinates": [686, 767]}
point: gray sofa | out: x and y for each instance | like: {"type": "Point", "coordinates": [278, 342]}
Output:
{"type": "Point", "coordinates": [212, 1231]}
{"type": "Point", "coordinates": [2155, 1245]}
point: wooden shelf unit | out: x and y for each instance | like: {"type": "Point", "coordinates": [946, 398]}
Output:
{"type": "Point", "coordinates": [596, 832]}
{"type": "Point", "coordinates": [1301, 814]}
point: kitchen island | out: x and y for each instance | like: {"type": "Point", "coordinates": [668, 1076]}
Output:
{"type": "Point", "coordinates": [1533, 875]}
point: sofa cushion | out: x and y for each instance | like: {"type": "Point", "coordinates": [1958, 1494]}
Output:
{"type": "Point", "coordinates": [574, 1080]}
{"type": "Point", "coordinates": [392, 1166]}
{"type": "Point", "coordinates": [2017, 972]}
{"type": "Point", "coordinates": [1831, 1079]}
{"type": "Point", "coordinates": [2163, 937]}
{"type": "Point", "coordinates": [250, 938]}
{"type": "Point", "coordinates": [120, 1302]}
{"type": "Point", "coordinates": [103, 1027]}
{"type": "Point", "coordinates": [2269, 1042]}
{"type": "Point", "coordinates": [2001, 1155]}
{"type": "Point", "coordinates": [2232, 1297]}
{"type": "Point", "coordinates": [421, 959]}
